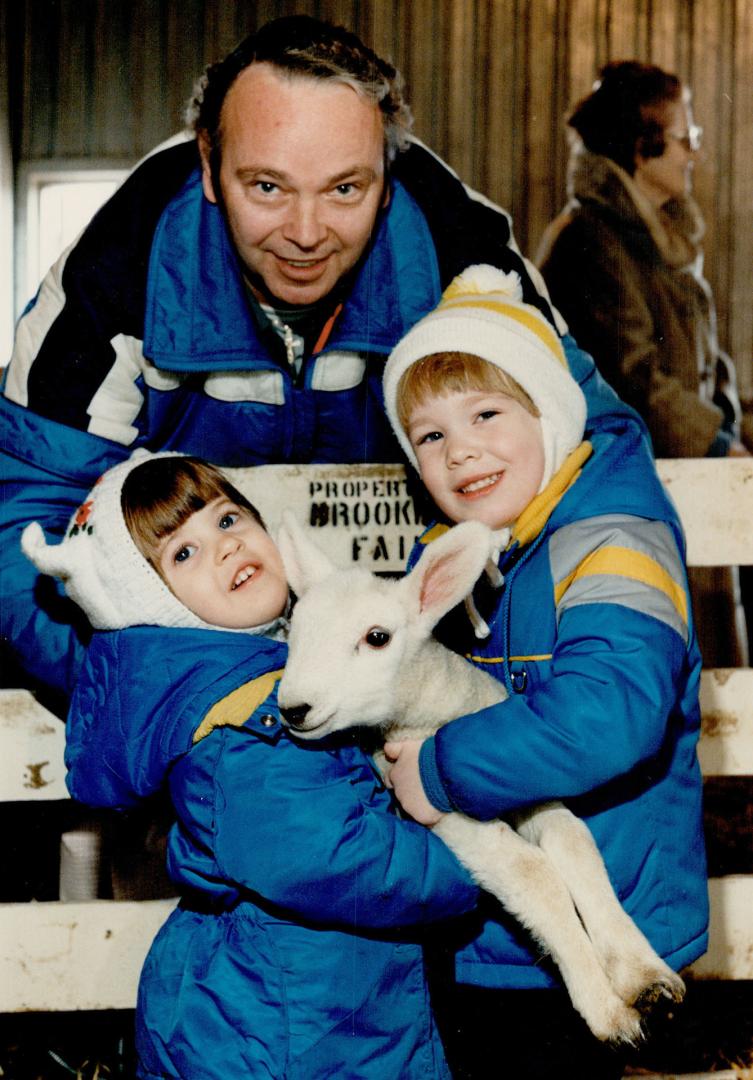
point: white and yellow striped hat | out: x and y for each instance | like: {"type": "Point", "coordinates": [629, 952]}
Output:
{"type": "Point", "coordinates": [482, 313]}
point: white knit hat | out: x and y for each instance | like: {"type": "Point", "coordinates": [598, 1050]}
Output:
{"type": "Point", "coordinates": [100, 565]}
{"type": "Point", "coordinates": [482, 313]}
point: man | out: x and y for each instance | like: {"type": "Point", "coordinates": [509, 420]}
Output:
{"type": "Point", "coordinates": [237, 298]}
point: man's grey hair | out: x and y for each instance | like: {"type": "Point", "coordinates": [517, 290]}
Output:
{"type": "Point", "coordinates": [303, 47]}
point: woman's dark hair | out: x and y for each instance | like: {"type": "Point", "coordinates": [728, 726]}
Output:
{"type": "Point", "coordinates": [162, 494]}
{"type": "Point", "coordinates": [622, 114]}
{"type": "Point", "coordinates": [299, 45]}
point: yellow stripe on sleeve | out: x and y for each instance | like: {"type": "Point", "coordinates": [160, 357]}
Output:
{"type": "Point", "coordinates": [628, 563]}
{"type": "Point", "coordinates": [513, 659]}
{"type": "Point", "coordinates": [434, 533]}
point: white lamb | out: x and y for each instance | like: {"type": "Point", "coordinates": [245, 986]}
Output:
{"type": "Point", "coordinates": [362, 653]}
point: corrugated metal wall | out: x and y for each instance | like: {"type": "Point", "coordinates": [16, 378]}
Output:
{"type": "Point", "coordinates": [489, 81]}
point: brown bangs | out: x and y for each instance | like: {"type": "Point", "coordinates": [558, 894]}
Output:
{"type": "Point", "coordinates": [161, 495]}
{"type": "Point", "coordinates": [450, 373]}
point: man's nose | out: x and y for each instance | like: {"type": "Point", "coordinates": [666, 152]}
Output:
{"type": "Point", "coordinates": [304, 226]}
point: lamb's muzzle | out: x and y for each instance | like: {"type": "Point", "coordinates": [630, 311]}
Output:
{"type": "Point", "coordinates": [295, 716]}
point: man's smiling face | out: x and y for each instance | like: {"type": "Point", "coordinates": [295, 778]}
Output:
{"type": "Point", "coordinates": [301, 180]}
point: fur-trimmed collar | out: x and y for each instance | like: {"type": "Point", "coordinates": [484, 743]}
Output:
{"type": "Point", "coordinates": [676, 229]}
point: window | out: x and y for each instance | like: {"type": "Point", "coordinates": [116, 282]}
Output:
{"type": "Point", "coordinates": [55, 202]}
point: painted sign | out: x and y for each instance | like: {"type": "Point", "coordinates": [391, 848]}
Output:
{"type": "Point", "coordinates": [361, 514]}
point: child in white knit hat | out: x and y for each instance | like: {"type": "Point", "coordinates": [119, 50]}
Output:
{"type": "Point", "coordinates": [295, 948]}
{"type": "Point", "coordinates": [166, 540]}
{"type": "Point", "coordinates": [586, 620]}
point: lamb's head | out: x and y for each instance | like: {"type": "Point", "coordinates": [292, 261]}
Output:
{"type": "Point", "coordinates": [354, 636]}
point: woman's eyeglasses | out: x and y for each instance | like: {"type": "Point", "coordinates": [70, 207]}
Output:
{"type": "Point", "coordinates": [690, 139]}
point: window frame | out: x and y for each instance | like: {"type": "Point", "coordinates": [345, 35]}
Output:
{"type": "Point", "coordinates": [31, 178]}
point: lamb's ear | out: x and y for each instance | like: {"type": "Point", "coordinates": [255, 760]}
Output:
{"type": "Point", "coordinates": [447, 571]}
{"type": "Point", "coordinates": [304, 562]}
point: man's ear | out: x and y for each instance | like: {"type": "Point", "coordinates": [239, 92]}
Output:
{"type": "Point", "coordinates": [206, 168]}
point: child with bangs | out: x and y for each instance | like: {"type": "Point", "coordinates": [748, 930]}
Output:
{"type": "Point", "coordinates": [585, 618]}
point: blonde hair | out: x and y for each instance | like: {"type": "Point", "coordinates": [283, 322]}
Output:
{"type": "Point", "coordinates": [454, 372]}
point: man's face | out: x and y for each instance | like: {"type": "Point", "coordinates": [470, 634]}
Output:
{"type": "Point", "coordinates": [302, 180]}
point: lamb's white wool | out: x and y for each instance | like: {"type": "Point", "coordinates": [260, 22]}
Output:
{"type": "Point", "coordinates": [362, 653]}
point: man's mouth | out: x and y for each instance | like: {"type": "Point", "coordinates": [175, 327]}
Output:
{"type": "Point", "coordinates": [303, 264]}
{"type": "Point", "coordinates": [243, 576]}
{"type": "Point", "coordinates": [479, 485]}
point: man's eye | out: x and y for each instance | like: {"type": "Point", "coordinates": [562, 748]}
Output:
{"type": "Point", "coordinates": [184, 553]}
{"type": "Point", "coordinates": [345, 189]}
{"type": "Point", "coordinates": [266, 187]}
{"type": "Point", "coordinates": [228, 520]}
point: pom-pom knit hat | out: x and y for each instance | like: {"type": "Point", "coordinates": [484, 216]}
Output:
{"type": "Point", "coordinates": [482, 313]}
{"type": "Point", "coordinates": [100, 565]}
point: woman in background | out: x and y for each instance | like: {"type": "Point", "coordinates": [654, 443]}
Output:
{"type": "Point", "coordinates": [624, 265]}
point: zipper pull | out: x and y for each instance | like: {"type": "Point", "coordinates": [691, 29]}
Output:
{"type": "Point", "coordinates": [289, 346]}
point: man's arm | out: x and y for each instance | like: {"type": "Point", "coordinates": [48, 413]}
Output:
{"type": "Point", "coordinates": [90, 302]}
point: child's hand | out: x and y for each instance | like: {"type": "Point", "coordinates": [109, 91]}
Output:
{"type": "Point", "coordinates": [405, 780]}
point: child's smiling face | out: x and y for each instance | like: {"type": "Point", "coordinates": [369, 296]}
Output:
{"type": "Point", "coordinates": [480, 453]}
{"type": "Point", "coordinates": [225, 567]}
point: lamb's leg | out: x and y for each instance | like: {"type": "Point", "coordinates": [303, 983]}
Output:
{"type": "Point", "coordinates": [523, 879]}
{"type": "Point", "coordinates": [634, 969]}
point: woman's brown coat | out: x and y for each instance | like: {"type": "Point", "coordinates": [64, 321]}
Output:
{"type": "Point", "coordinates": [627, 278]}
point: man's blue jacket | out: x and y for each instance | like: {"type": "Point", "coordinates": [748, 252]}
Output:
{"type": "Point", "coordinates": [295, 951]}
{"type": "Point", "coordinates": [141, 335]}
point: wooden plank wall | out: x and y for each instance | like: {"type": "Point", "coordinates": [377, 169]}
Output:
{"type": "Point", "coordinates": [489, 80]}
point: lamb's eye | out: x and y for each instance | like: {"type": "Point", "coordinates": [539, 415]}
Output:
{"type": "Point", "coordinates": [377, 637]}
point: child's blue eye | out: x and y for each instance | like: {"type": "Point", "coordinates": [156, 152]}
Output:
{"type": "Point", "coordinates": [430, 436]}
{"type": "Point", "coordinates": [228, 520]}
{"type": "Point", "coordinates": [184, 553]}
{"type": "Point", "coordinates": [487, 414]}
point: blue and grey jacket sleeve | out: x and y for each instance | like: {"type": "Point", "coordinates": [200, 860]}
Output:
{"type": "Point", "coordinates": [605, 701]}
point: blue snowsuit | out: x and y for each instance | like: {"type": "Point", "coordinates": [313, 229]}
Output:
{"type": "Point", "coordinates": [294, 953]}
{"type": "Point", "coordinates": [593, 638]}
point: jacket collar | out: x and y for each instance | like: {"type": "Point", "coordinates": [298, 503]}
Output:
{"type": "Point", "coordinates": [193, 267]}
{"type": "Point", "coordinates": [535, 516]}
{"type": "Point", "coordinates": [676, 229]}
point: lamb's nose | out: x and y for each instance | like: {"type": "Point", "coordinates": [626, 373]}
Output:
{"type": "Point", "coordinates": [295, 716]}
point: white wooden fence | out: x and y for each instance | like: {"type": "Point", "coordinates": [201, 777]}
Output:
{"type": "Point", "coordinates": [87, 955]}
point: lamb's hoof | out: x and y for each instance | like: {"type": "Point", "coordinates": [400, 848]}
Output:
{"type": "Point", "coordinates": [622, 1026]}
{"type": "Point", "coordinates": [665, 990]}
